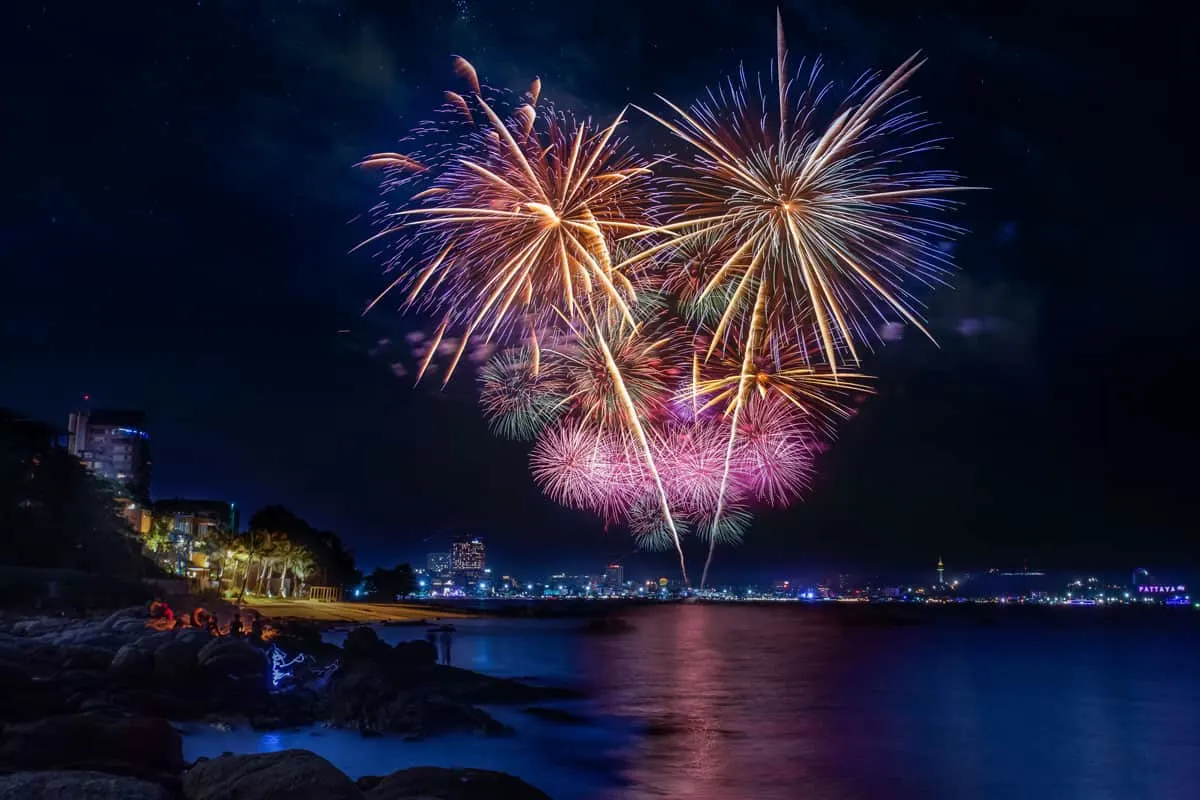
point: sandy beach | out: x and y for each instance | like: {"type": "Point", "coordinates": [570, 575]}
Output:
{"type": "Point", "coordinates": [363, 613]}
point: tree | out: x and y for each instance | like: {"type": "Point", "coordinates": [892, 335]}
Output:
{"type": "Point", "coordinates": [161, 537]}
{"type": "Point", "coordinates": [54, 513]}
{"type": "Point", "coordinates": [333, 561]}
{"type": "Point", "coordinates": [396, 582]}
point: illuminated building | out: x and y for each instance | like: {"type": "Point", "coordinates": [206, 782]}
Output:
{"type": "Point", "coordinates": [614, 576]}
{"type": "Point", "coordinates": [467, 557]}
{"type": "Point", "coordinates": [438, 564]}
{"type": "Point", "coordinates": [194, 521]}
{"type": "Point", "coordinates": [113, 445]}
{"type": "Point", "coordinates": [941, 571]}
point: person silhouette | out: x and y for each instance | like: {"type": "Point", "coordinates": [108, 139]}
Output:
{"type": "Point", "coordinates": [445, 641]}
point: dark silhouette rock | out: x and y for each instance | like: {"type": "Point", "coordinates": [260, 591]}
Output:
{"type": "Point", "coordinates": [436, 783]}
{"type": "Point", "coordinates": [362, 643]}
{"type": "Point", "coordinates": [77, 785]}
{"type": "Point", "coordinates": [139, 747]}
{"type": "Point", "coordinates": [131, 663]}
{"type": "Point", "coordinates": [86, 656]}
{"type": "Point", "coordinates": [418, 653]}
{"type": "Point", "coordinates": [476, 688]}
{"type": "Point", "coordinates": [123, 617]}
{"type": "Point", "coordinates": [235, 658]}
{"type": "Point", "coordinates": [291, 774]}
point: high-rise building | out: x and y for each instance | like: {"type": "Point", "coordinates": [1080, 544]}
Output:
{"type": "Point", "coordinates": [467, 557]}
{"type": "Point", "coordinates": [941, 570]}
{"type": "Point", "coordinates": [614, 576]}
{"type": "Point", "coordinates": [114, 445]}
{"type": "Point", "coordinates": [438, 564]}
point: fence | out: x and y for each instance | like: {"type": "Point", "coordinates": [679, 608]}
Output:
{"type": "Point", "coordinates": [325, 594]}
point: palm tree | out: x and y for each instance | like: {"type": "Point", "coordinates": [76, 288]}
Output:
{"type": "Point", "coordinates": [303, 565]}
{"type": "Point", "coordinates": [288, 552]}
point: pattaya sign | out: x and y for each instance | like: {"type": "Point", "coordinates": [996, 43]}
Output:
{"type": "Point", "coordinates": [1156, 589]}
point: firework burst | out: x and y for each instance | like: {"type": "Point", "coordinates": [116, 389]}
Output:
{"type": "Point", "coordinates": [580, 466]}
{"type": "Point", "coordinates": [773, 455]}
{"type": "Point", "coordinates": [603, 359]}
{"type": "Point", "coordinates": [517, 401]}
{"type": "Point", "coordinates": [512, 221]}
{"type": "Point", "coordinates": [787, 371]}
{"type": "Point", "coordinates": [817, 227]}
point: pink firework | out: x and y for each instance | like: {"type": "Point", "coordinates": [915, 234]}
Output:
{"type": "Point", "coordinates": [579, 466]}
{"type": "Point", "coordinates": [692, 459]}
{"type": "Point", "coordinates": [774, 450]}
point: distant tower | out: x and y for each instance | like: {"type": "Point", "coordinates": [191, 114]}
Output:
{"type": "Point", "coordinates": [941, 572]}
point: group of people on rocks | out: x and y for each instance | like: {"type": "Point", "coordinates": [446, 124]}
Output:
{"type": "Point", "coordinates": [201, 618]}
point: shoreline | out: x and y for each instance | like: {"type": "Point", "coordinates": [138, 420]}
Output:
{"type": "Point", "coordinates": [351, 613]}
{"type": "Point", "coordinates": [106, 690]}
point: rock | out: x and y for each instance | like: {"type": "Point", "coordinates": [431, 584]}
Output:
{"type": "Point", "coordinates": [473, 687]}
{"type": "Point", "coordinates": [436, 783]}
{"type": "Point", "coordinates": [371, 697]}
{"type": "Point", "coordinates": [134, 746]}
{"type": "Point", "coordinates": [418, 653]}
{"type": "Point", "coordinates": [132, 663]}
{"type": "Point", "coordinates": [362, 643]}
{"type": "Point", "coordinates": [292, 774]}
{"type": "Point", "coordinates": [175, 663]}
{"type": "Point", "coordinates": [77, 785]}
{"type": "Point", "coordinates": [417, 716]}
{"type": "Point", "coordinates": [296, 708]}
{"type": "Point", "coordinates": [123, 616]}
{"type": "Point", "coordinates": [20, 696]}
{"type": "Point", "coordinates": [555, 715]}
{"type": "Point", "coordinates": [231, 657]}
{"type": "Point", "coordinates": [86, 656]}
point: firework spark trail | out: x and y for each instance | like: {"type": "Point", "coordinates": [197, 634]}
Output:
{"type": "Point", "coordinates": [513, 220]}
{"type": "Point", "coordinates": [820, 227]}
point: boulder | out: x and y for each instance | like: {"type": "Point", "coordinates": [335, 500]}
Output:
{"type": "Point", "coordinates": [20, 696]}
{"type": "Point", "coordinates": [235, 658]}
{"type": "Point", "coordinates": [362, 643]}
{"type": "Point", "coordinates": [417, 716]}
{"type": "Point", "coordinates": [436, 783]}
{"type": "Point", "coordinates": [474, 687]}
{"type": "Point", "coordinates": [292, 774]}
{"type": "Point", "coordinates": [77, 785]}
{"type": "Point", "coordinates": [132, 664]}
{"type": "Point", "coordinates": [175, 662]}
{"type": "Point", "coordinates": [86, 656]}
{"type": "Point", "coordinates": [122, 617]}
{"type": "Point", "coordinates": [124, 746]}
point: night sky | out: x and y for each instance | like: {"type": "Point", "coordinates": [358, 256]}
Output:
{"type": "Point", "coordinates": [180, 202]}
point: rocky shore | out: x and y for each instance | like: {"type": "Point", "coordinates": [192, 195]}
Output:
{"type": "Point", "coordinates": [87, 704]}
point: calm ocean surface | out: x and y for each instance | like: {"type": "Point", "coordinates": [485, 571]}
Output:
{"type": "Point", "coordinates": [788, 701]}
